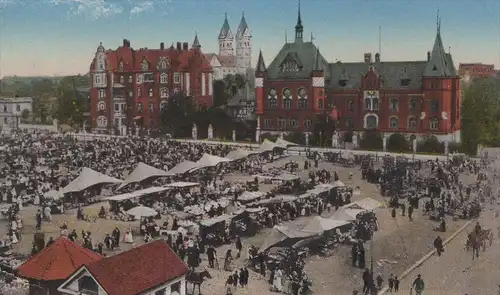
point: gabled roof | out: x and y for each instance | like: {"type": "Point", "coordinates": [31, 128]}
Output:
{"type": "Point", "coordinates": [57, 261]}
{"type": "Point", "coordinates": [137, 270]}
{"type": "Point", "coordinates": [225, 31]}
{"type": "Point", "coordinates": [440, 63]}
{"type": "Point", "coordinates": [261, 66]}
{"type": "Point", "coordinates": [305, 52]}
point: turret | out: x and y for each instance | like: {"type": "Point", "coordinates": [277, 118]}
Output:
{"type": "Point", "coordinates": [299, 29]}
{"type": "Point", "coordinates": [318, 83]}
{"type": "Point", "coordinates": [196, 42]}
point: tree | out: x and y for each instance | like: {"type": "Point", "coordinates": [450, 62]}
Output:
{"type": "Point", "coordinates": [70, 109]}
{"type": "Point", "coordinates": [430, 144]}
{"type": "Point", "coordinates": [323, 129]}
{"type": "Point", "coordinates": [220, 93]}
{"type": "Point", "coordinates": [233, 83]}
{"type": "Point", "coordinates": [178, 116]}
{"type": "Point", "coordinates": [480, 114]}
{"type": "Point", "coordinates": [371, 141]}
{"type": "Point", "coordinates": [397, 143]}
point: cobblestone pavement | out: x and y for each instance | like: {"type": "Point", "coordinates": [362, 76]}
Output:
{"type": "Point", "coordinates": [455, 272]}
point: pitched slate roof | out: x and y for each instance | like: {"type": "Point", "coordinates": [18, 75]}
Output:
{"type": "Point", "coordinates": [196, 42]}
{"type": "Point", "coordinates": [242, 27]}
{"type": "Point", "coordinates": [241, 97]}
{"type": "Point", "coordinates": [304, 53]}
{"type": "Point", "coordinates": [57, 261]}
{"type": "Point", "coordinates": [440, 63]}
{"type": "Point", "coordinates": [139, 269]}
{"type": "Point", "coordinates": [391, 73]}
{"type": "Point", "coordinates": [225, 31]}
{"type": "Point", "coordinates": [261, 66]}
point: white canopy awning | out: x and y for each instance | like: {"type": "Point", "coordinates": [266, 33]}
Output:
{"type": "Point", "coordinates": [346, 214]}
{"type": "Point", "coordinates": [182, 184]}
{"type": "Point", "coordinates": [239, 154]}
{"type": "Point", "coordinates": [142, 172]}
{"type": "Point", "coordinates": [182, 167]}
{"type": "Point", "coordinates": [268, 146]}
{"type": "Point", "coordinates": [208, 160]}
{"type": "Point", "coordinates": [88, 178]}
{"type": "Point", "coordinates": [319, 224]}
{"type": "Point", "coordinates": [142, 211]}
{"type": "Point", "coordinates": [286, 177]}
{"type": "Point", "coordinates": [53, 194]}
{"type": "Point", "coordinates": [338, 183]}
{"type": "Point", "coordinates": [367, 204]}
{"type": "Point", "coordinates": [139, 193]}
{"type": "Point", "coordinates": [250, 196]}
{"type": "Point", "coordinates": [284, 144]}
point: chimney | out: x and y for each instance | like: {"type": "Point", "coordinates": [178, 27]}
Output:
{"type": "Point", "coordinates": [128, 43]}
{"type": "Point", "coordinates": [377, 57]}
{"type": "Point", "coordinates": [428, 55]}
{"type": "Point", "coordinates": [368, 58]}
{"type": "Point", "coordinates": [185, 46]}
{"type": "Point", "coordinates": [179, 46]}
{"type": "Point", "coordinates": [162, 46]}
{"type": "Point", "coordinates": [124, 42]}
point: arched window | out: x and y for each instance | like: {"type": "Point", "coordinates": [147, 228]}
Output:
{"type": "Point", "coordinates": [287, 98]}
{"type": "Point", "coordinates": [320, 104]}
{"type": "Point", "coordinates": [139, 92]}
{"type": "Point", "coordinates": [272, 98]}
{"type": "Point", "coordinates": [368, 104]}
{"type": "Point", "coordinates": [144, 65]}
{"type": "Point", "coordinates": [163, 104]}
{"type": "Point", "coordinates": [393, 105]}
{"type": "Point", "coordinates": [164, 78]}
{"type": "Point", "coordinates": [163, 64]}
{"type": "Point", "coordinates": [151, 107]}
{"type": "Point", "coordinates": [434, 124]}
{"type": "Point", "coordinates": [102, 121]}
{"type": "Point", "coordinates": [412, 105]}
{"type": "Point", "coordinates": [164, 92]}
{"type": "Point", "coordinates": [375, 104]}
{"type": "Point", "coordinates": [350, 105]}
{"type": "Point", "coordinates": [412, 123]}
{"type": "Point", "coordinates": [101, 106]}
{"type": "Point", "coordinates": [393, 123]}
{"type": "Point", "coordinates": [302, 98]}
{"type": "Point", "coordinates": [371, 122]}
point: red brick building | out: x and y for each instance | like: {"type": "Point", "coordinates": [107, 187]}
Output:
{"type": "Point", "coordinates": [412, 97]}
{"type": "Point", "coordinates": [472, 71]}
{"type": "Point", "coordinates": [129, 87]}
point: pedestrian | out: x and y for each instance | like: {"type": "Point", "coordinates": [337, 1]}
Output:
{"type": "Point", "coordinates": [396, 284]}
{"type": "Point", "coordinates": [410, 212]}
{"type": "Point", "coordinates": [354, 254]}
{"type": "Point", "coordinates": [419, 285]}
{"type": "Point", "coordinates": [238, 246]}
{"type": "Point", "coordinates": [380, 281]}
{"type": "Point", "coordinates": [211, 253]}
{"type": "Point", "coordinates": [438, 244]}
{"type": "Point", "coordinates": [366, 281]}
{"type": "Point", "coordinates": [403, 209]}
{"type": "Point", "coordinates": [391, 282]}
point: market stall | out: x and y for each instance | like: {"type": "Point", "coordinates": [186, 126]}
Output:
{"type": "Point", "coordinates": [143, 172]}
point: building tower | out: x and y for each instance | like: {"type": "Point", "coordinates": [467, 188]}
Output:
{"type": "Point", "coordinates": [318, 84]}
{"type": "Point", "coordinates": [260, 75]}
{"type": "Point", "coordinates": [226, 39]}
{"type": "Point", "coordinates": [243, 47]}
{"type": "Point", "coordinates": [299, 28]}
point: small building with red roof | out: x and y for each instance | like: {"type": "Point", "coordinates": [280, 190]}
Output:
{"type": "Point", "coordinates": [152, 268]}
{"type": "Point", "coordinates": [47, 269]}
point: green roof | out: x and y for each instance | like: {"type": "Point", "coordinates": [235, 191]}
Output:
{"type": "Point", "coordinates": [440, 63]}
{"type": "Point", "coordinates": [225, 31]}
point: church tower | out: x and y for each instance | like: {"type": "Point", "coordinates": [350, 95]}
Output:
{"type": "Point", "coordinates": [226, 39]}
{"type": "Point", "coordinates": [243, 47]}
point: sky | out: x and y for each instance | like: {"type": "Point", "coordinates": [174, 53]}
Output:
{"type": "Point", "coordinates": [60, 37]}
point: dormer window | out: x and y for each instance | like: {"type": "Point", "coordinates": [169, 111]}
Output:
{"type": "Point", "coordinates": [434, 68]}
{"type": "Point", "coordinates": [405, 82]}
{"type": "Point", "coordinates": [144, 65]}
{"type": "Point", "coordinates": [342, 82]}
{"type": "Point", "coordinates": [289, 67]}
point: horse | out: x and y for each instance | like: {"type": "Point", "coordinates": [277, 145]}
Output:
{"type": "Point", "coordinates": [197, 278]}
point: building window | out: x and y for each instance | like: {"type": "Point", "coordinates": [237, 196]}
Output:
{"type": "Point", "coordinates": [130, 79]}
{"type": "Point", "coordinates": [293, 123]}
{"type": "Point", "coordinates": [412, 105]}
{"type": "Point", "coordinates": [307, 123]}
{"type": "Point", "coordinates": [412, 123]}
{"type": "Point", "coordinates": [393, 123]}
{"type": "Point", "coordinates": [272, 98]}
{"type": "Point", "coordinates": [405, 82]}
{"type": "Point", "coordinates": [102, 121]}
{"type": "Point", "coordinates": [281, 123]}
{"type": "Point", "coordinates": [350, 105]}
{"type": "Point", "coordinates": [320, 104]}
{"type": "Point", "coordinates": [18, 108]}
{"type": "Point", "coordinates": [151, 107]}
{"type": "Point", "coordinates": [348, 123]}
{"type": "Point", "coordinates": [144, 65]}
{"type": "Point", "coordinates": [139, 92]}
{"type": "Point", "coordinates": [177, 78]}
{"type": "Point", "coordinates": [434, 106]}
{"type": "Point", "coordinates": [163, 64]}
{"type": "Point", "coordinates": [287, 98]}
{"type": "Point", "coordinates": [101, 106]}
{"type": "Point", "coordinates": [130, 94]}
{"type": "Point", "coordinates": [342, 82]}
{"type": "Point", "coordinates": [302, 100]}
{"type": "Point", "coordinates": [122, 80]}
{"type": "Point", "coordinates": [375, 104]}
{"type": "Point", "coordinates": [289, 67]}
{"type": "Point", "coordinates": [371, 122]}
{"type": "Point", "coordinates": [150, 92]}
{"type": "Point", "coordinates": [434, 124]}
{"type": "Point", "coordinates": [120, 67]}
{"type": "Point", "coordinates": [117, 107]}
{"type": "Point", "coordinates": [102, 93]}
{"type": "Point", "coordinates": [98, 79]}
{"type": "Point", "coordinates": [139, 78]}
{"type": "Point", "coordinates": [393, 105]}
{"type": "Point", "coordinates": [164, 78]}
{"type": "Point", "coordinates": [368, 104]}
{"type": "Point", "coordinates": [139, 107]}
{"type": "Point", "coordinates": [267, 123]}
{"type": "Point", "coordinates": [163, 92]}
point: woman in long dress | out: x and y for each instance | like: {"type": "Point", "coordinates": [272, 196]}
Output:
{"type": "Point", "coordinates": [277, 283]}
{"type": "Point", "coordinates": [129, 238]}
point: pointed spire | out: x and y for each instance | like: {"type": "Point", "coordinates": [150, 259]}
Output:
{"type": "Point", "coordinates": [196, 42]}
{"type": "Point", "coordinates": [261, 66]}
{"type": "Point", "coordinates": [438, 23]}
{"type": "Point", "coordinates": [286, 36]}
{"type": "Point", "coordinates": [225, 31]}
{"type": "Point", "coordinates": [439, 64]}
{"type": "Point", "coordinates": [242, 27]}
{"type": "Point", "coordinates": [318, 65]}
{"type": "Point", "coordinates": [299, 29]}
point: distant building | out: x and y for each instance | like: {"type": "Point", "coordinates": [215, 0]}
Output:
{"type": "Point", "coordinates": [471, 71]}
{"type": "Point", "coordinates": [151, 268]}
{"type": "Point", "coordinates": [229, 60]}
{"type": "Point", "coordinates": [12, 110]}
{"type": "Point", "coordinates": [409, 97]}
{"type": "Point", "coordinates": [242, 105]}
